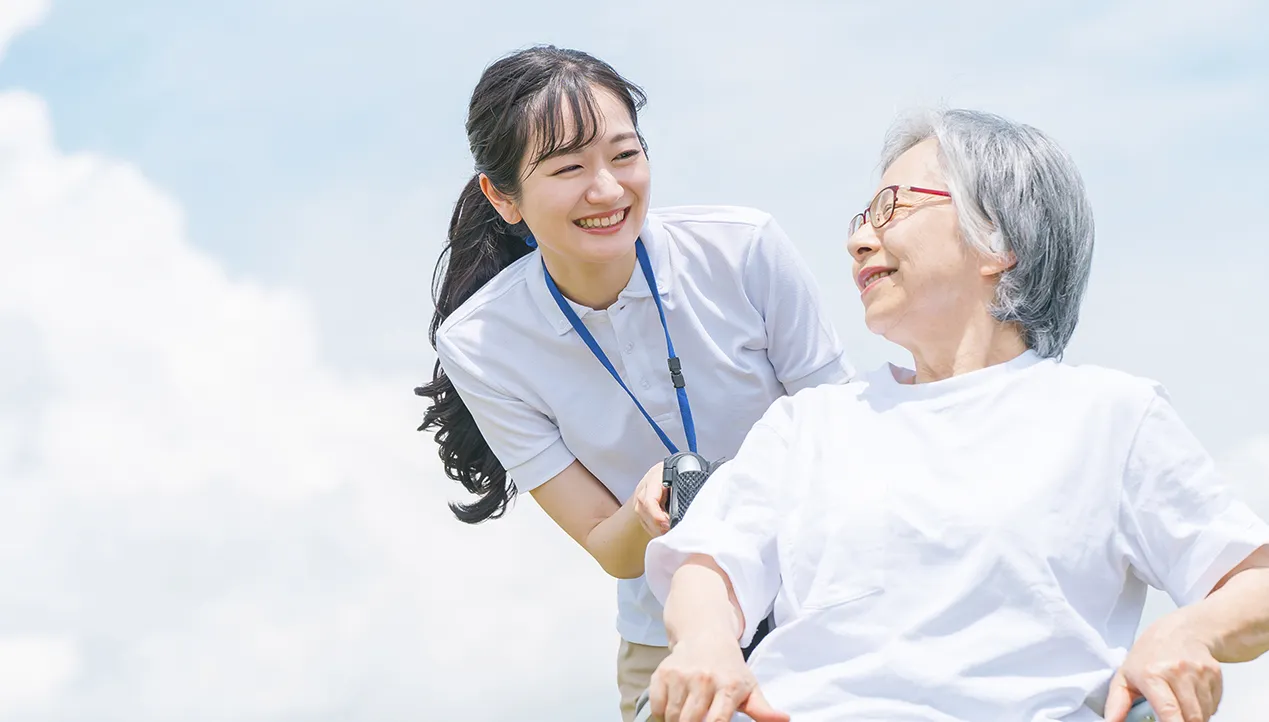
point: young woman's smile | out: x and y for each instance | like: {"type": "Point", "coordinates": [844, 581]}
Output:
{"type": "Point", "coordinates": [602, 224]}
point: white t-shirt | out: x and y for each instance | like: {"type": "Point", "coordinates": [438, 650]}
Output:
{"type": "Point", "coordinates": [746, 321]}
{"type": "Point", "coordinates": [971, 549]}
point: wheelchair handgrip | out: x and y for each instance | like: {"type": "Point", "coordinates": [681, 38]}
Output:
{"type": "Point", "coordinates": [1141, 712]}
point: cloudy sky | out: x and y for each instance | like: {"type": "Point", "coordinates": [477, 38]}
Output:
{"type": "Point", "coordinates": [218, 223]}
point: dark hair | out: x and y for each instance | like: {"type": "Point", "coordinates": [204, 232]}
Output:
{"type": "Point", "coordinates": [521, 98]}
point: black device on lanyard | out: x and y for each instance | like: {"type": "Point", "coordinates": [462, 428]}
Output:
{"type": "Point", "coordinates": [684, 475]}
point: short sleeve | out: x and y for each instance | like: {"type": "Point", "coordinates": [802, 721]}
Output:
{"type": "Point", "coordinates": [803, 346]}
{"type": "Point", "coordinates": [1184, 528]}
{"type": "Point", "coordinates": [734, 520]}
{"type": "Point", "coordinates": [527, 443]}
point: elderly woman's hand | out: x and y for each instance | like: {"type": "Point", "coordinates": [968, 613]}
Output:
{"type": "Point", "coordinates": [706, 680]}
{"type": "Point", "coordinates": [1174, 669]}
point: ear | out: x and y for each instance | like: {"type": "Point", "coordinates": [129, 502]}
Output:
{"type": "Point", "coordinates": [996, 264]}
{"type": "Point", "coordinates": [504, 205]}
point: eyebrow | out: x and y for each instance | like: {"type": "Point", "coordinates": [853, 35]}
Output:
{"type": "Point", "coordinates": [618, 138]}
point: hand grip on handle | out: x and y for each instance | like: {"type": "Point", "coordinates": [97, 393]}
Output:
{"type": "Point", "coordinates": [643, 710]}
{"type": "Point", "coordinates": [1141, 712]}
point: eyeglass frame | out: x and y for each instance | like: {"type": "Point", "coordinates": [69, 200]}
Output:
{"type": "Point", "coordinates": [894, 189]}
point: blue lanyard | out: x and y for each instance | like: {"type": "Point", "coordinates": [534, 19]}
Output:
{"type": "Point", "coordinates": [676, 372]}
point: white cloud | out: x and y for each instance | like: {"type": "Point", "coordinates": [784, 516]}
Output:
{"type": "Point", "coordinates": [34, 670]}
{"type": "Point", "coordinates": [19, 15]}
{"type": "Point", "coordinates": [215, 524]}
{"type": "Point", "coordinates": [1248, 468]}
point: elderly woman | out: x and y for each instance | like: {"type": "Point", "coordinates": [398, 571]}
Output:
{"type": "Point", "coordinates": [970, 539]}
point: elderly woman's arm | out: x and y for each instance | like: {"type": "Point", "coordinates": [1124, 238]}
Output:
{"type": "Point", "coordinates": [717, 573]}
{"type": "Point", "coordinates": [705, 677]}
{"type": "Point", "coordinates": [1177, 660]}
{"type": "Point", "coordinates": [702, 604]}
{"type": "Point", "coordinates": [1234, 619]}
{"type": "Point", "coordinates": [1188, 535]}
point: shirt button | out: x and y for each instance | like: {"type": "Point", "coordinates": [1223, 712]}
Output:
{"type": "Point", "coordinates": [645, 383]}
{"type": "Point", "coordinates": [629, 347]}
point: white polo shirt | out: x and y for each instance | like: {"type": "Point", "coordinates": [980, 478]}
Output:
{"type": "Point", "coordinates": [972, 549]}
{"type": "Point", "coordinates": [745, 317]}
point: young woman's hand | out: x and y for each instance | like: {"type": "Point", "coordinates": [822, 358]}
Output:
{"type": "Point", "coordinates": [649, 502]}
{"type": "Point", "coordinates": [706, 680]}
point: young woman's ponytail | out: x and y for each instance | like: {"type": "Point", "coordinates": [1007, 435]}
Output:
{"type": "Point", "coordinates": [479, 245]}
{"type": "Point", "coordinates": [514, 120]}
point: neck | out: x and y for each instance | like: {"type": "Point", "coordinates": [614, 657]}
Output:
{"type": "Point", "coordinates": [956, 349]}
{"type": "Point", "coordinates": [593, 285]}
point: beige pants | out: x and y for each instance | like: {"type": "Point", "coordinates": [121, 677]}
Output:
{"type": "Point", "coordinates": [635, 665]}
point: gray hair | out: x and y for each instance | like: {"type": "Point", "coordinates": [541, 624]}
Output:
{"type": "Point", "coordinates": [1015, 191]}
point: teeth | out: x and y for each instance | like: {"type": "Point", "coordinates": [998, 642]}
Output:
{"type": "Point", "coordinates": [612, 220]}
{"type": "Point", "coordinates": [875, 276]}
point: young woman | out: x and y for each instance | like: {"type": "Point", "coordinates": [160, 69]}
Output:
{"type": "Point", "coordinates": [582, 337]}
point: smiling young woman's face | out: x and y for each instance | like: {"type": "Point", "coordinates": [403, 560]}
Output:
{"type": "Point", "coordinates": [589, 205]}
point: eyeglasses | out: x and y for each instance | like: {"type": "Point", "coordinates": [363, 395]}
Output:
{"type": "Point", "coordinates": [881, 210]}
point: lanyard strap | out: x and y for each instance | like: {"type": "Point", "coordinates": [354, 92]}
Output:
{"type": "Point", "coordinates": [676, 367]}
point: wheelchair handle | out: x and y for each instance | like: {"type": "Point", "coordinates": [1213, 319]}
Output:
{"type": "Point", "coordinates": [1141, 711]}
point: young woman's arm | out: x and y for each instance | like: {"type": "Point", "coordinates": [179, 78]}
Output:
{"type": "Point", "coordinates": [527, 443]}
{"type": "Point", "coordinates": [613, 533]}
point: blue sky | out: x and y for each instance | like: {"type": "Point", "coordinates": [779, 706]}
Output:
{"type": "Point", "coordinates": [225, 218]}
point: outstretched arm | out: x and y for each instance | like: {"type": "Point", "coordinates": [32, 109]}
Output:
{"type": "Point", "coordinates": [705, 676]}
{"type": "Point", "coordinates": [717, 572]}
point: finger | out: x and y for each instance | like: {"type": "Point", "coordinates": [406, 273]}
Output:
{"type": "Point", "coordinates": [1202, 692]}
{"type": "Point", "coordinates": [725, 705]}
{"type": "Point", "coordinates": [1218, 690]}
{"type": "Point", "coordinates": [648, 516]}
{"type": "Point", "coordinates": [1186, 692]}
{"type": "Point", "coordinates": [650, 525]}
{"type": "Point", "coordinates": [645, 520]}
{"type": "Point", "coordinates": [1160, 696]}
{"type": "Point", "coordinates": [698, 702]}
{"type": "Point", "coordinates": [657, 694]}
{"type": "Point", "coordinates": [1119, 699]}
{"type": "Point", "coordinates": [676, 695]}
{"type": "Point", "coordinates": [758, 709]}
{"type": "Point", "coordinates": [650, 499]}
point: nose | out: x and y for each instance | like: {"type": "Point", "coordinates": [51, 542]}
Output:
{"type": "Point", "coordinates": [605, 190]}
{"type": "Point", "coordinates": [864, 243]}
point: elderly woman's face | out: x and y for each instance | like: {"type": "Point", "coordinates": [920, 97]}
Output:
{"type": "Point", "coordinates": [915, 275]}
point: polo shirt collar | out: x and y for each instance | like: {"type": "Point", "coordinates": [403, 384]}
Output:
{"type": "Point", "coordinates": [655, 239]}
